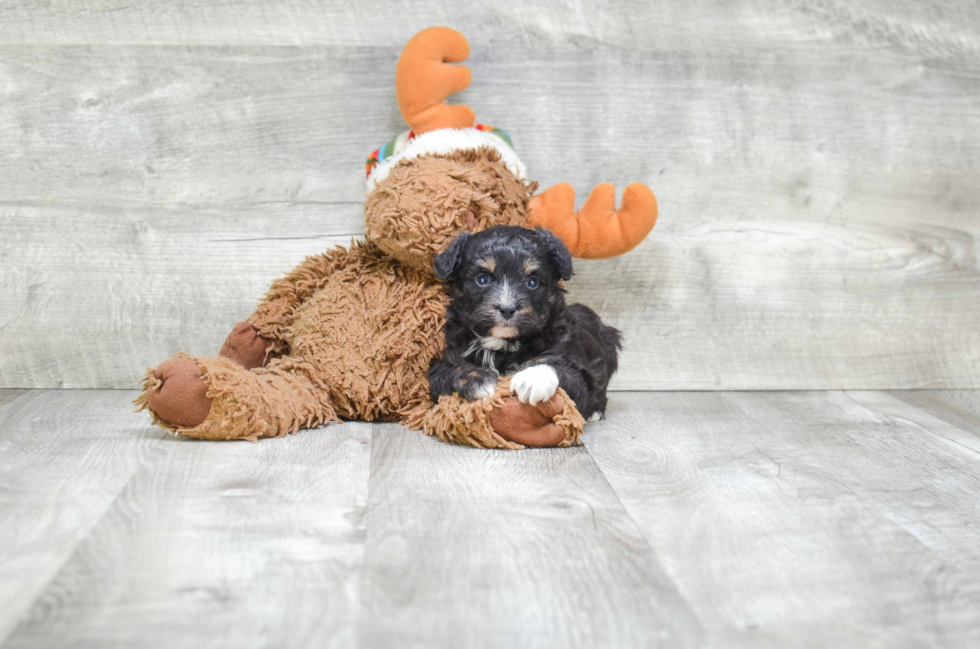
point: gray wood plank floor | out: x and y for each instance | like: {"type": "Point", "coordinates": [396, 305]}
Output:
{"type": "Point", "coordinates": [722, 519]}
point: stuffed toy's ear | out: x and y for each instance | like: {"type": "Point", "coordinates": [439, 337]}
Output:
{"type": "Point", "coordinates": [598, 230]}
{"type": "Point", "coordinates": [447, 262]}
{"type": "Point", "coordinates": [558, 254]}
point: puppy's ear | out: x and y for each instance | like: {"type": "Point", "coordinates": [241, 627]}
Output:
{"type": "Point", "coordinates": [558, 254]}
{"type": "Point", "coordinates": [447, 262]}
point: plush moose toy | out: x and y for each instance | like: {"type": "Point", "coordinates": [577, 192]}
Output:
{"type": "Point", "coordinates": [350, 333]}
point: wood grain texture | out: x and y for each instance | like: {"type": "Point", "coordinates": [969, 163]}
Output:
{"type": "Point", "coordinates": [814, 164]}
{"type": "Point", "coordinates": [64, 457]}
{"type": "Point", "coordinates": [243, 545]}
{"type": "Point", "coordinates": [960, 431]}
{"type": "Point", "coordinates": [9, 396]}
{"type": "Point", "coordinates": [962, 405]}
{"type": "Point", "coordinates": [802, 519]}
{"type": "Point", "coordinates": [474, 548]}
{"type": "Point", "coordinates": [134, 287]}
{"type": "Point", "coordinates": [713, 519]}
{"type": "Point", "coordinates": [934, 25]}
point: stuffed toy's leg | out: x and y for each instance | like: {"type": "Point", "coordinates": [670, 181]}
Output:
{"type": "Point", "coordinates": [216, 398]}
{"type": "Point", "coordinates": [248, 392]}
{"type": "Point", "coordinates": [500, 421]}
{"type": "Point", "coordinates": [221, 398]}
{"type": "Point", "coordinates": [245, 393]}
{"type": "Point", "coordinates": [235, 396]}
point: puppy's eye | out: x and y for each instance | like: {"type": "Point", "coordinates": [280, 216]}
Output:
{"type": "Point", "coordinates": [532, 282]}
{"type": "Point", "coordinates": [483, 280]}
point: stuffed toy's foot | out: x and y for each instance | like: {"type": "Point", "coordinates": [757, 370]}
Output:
{"type": "Point", "coordinates": [529, 425]}
{"type": "Point", "coordinates": [216, 398]}
{"type": "Point", "coordinates": [500, 421]}
{"type": "Point", "coordinates": [176, 393]}
{"type": "Point", "coordinates": [246, 347]}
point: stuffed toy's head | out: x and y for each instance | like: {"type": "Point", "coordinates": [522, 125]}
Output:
{"type": "Point", "coordinates": [416, 210]}
{"type": "Point", "coordinates": [448, 175]}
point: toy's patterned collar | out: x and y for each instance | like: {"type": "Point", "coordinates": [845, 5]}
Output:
{"type": "Point", "coordinates": [440, 142]}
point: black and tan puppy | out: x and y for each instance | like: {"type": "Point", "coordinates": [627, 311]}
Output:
{"type": "Point", "coordinates": [508, 316]}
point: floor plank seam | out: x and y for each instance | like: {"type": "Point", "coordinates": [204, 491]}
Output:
{"type": "Point", "coordinates": [361, 588]}
{"type": "Point", "coordinates": [917, 425]}
{"type": "Point", "coordinates": [880, 507]}
{"type": "Point", "coordinates": [641, 535]}
{"type": "Point", "coordinates": [42, 592]}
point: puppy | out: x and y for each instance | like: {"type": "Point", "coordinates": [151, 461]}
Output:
{"type": "Point", "coordinates": [508, 316]}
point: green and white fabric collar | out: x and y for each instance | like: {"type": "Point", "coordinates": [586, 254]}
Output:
{"type": "Point", "coordinates": [441, 142]}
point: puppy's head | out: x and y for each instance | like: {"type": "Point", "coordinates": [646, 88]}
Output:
{"type": "Point", "coordinates": [504, 281]}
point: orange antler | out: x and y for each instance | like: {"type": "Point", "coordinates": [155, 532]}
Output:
{"type": "Point", "coordinates": [598, 230]}
{"type": "Point", "coordinates": [423, 80]}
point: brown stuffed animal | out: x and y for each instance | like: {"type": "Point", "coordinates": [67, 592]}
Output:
{"type": "Point", "coordinates": [350, 333]}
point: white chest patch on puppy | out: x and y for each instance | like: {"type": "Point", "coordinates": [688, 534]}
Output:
{"type": "Point", "coordinates": [483, 349]}
{"type": "Point", "coordinates": [494, 343]}
{"type": "Point", "coordinates": [535, 384]}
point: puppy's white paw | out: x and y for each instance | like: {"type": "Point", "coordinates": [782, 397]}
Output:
{"type": "Point", "coordinates": [535, 384]}
{"type": "Point", "coordinates": [484, 390]}
{"type": "Point", "coordinates": [596, 416]}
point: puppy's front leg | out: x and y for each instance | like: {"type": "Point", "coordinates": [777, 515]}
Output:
{"type": "Point", "coordinates": [471, 381]}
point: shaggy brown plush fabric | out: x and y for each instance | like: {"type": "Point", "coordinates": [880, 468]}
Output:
{"type": "Point", "coordinates": [246, 347]}
{"type": "Point", "coordinates": [555, 422]}
{"type": "Point", "coordinates": [351, 333]}
{"type": "Point", "coordinates": [424, 203]}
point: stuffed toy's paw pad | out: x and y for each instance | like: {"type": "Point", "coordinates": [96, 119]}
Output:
{"type": "Point", "coordinates": [245, 346]}
{"type": "Point", "coordinates": [529, 425]}
{"type": "Point", "coordinates": [180, 395]}
{"type": "Point", "coordinates": [535, 384]}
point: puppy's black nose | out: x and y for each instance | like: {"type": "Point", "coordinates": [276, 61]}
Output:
{"type": "Point", "coordinates": [506, 310]}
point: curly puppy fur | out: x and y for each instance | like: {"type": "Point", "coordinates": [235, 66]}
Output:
{"type": "Point", "coordinates": [507, 315]}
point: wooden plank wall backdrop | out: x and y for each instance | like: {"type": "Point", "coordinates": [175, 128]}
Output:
{"type": "Point", "coordinates": [816, 165]}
